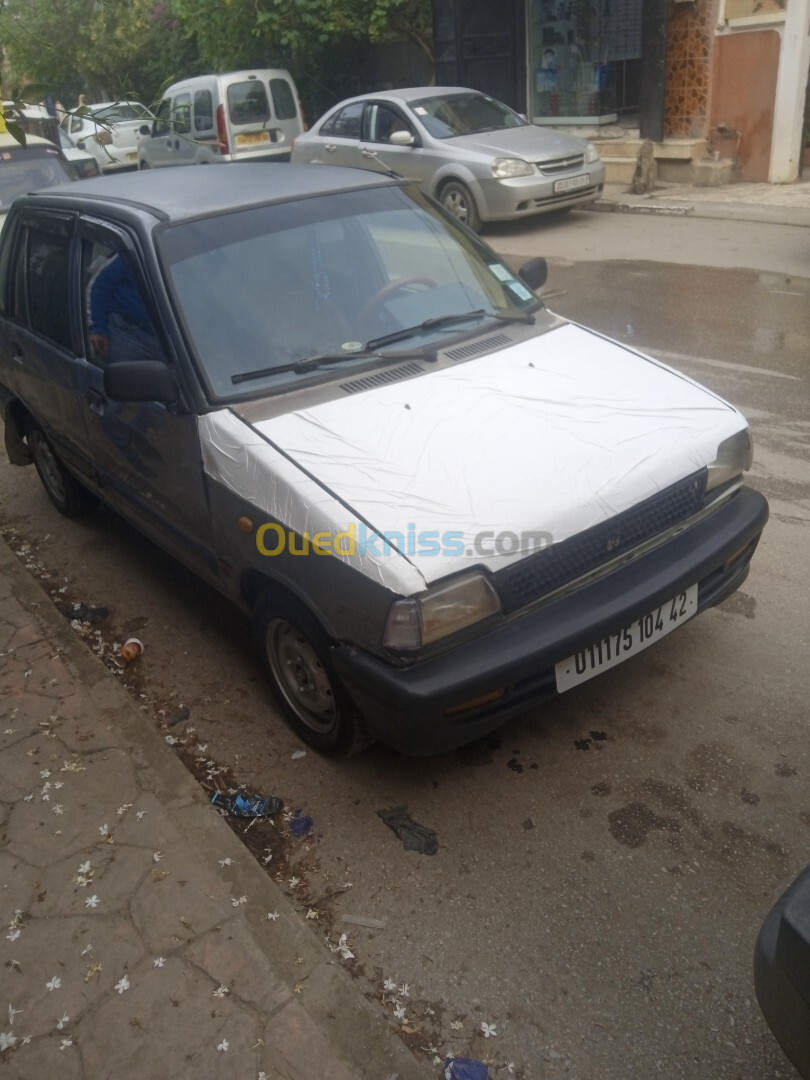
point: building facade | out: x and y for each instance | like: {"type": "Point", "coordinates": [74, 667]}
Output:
{"type": "Point", "coordinates": [730, 76]}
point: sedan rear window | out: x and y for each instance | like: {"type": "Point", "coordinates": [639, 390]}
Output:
{"type": "Point", "coordinates": [122, 110]}
{"type": "Point", "coordinates": [24, 169]}
{"type": "Point", "coordinates": [247, 103]}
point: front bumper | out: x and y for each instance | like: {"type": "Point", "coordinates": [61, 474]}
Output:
{"type": "Point", "coordinates": [782, 971]}
{"type": "Point", "coordinates": [522, 196]}
{"type": "Point", "coordinates": [405, 707]}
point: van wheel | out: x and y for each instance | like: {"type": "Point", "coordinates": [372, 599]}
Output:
{"type": "Point", "coordinates": [457, 198]}
{"type": "Point", "coordinates": [295, 655]}
{"type": "Point", "coordinates": [143, 165]}
{"type": "Point", "coordinates": [66, 493]}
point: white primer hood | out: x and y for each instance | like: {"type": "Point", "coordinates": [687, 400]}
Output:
{"type": "Point", "coordinates": [554, 434]}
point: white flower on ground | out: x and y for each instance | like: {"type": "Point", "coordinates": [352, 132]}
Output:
{"type": "Point", "coordinates": [140, 813]}
{"type": "Point", "coordinates": [122, 984]}
{"type": "Point", "coordinates": [225, 862]}
{"type": "Point", "coordinates": [509, 1067]}
{"type": "Point", "coordinates": [85, 868]}
{"type": "Point", "coordinates": [344, 949]}
{"type": "Point", "coordinates": [86, 950]}
{"type": "Point", "coordinates": [157, 856]}
{"type": "Point", "coordinates": [7, 1040]}
{"type": "Point", "coordinates": [65, 1043]}
{"type": "Point", "coordinates": [313, 913]}
{"type": "Point", "coordinates": [404, 990]}
{"type": "Point", "coordinates": [53, 983]}
{"type": "Point", "coordinates": [28, 798]}
{"type": "Point", "coordinates": [170, 739]}
{"type": "Point", "coordinates": [294, 881]}
{"type": "Point", "coordinates": [221, 991]}
{"type": "Point", "coordinates": [399, 1012]}
{"type": "Point", "coordinates": [13, 933]}
{"type": "Point", "coordinates": [12, 1012]}
{"type": "Point", "coordinates": [62, 1021]}
{"type": "Point", "coordinates": [456, 1025]}
{"type": "Point", "coordinates": [488, 1030]}
{"type": "Point", "coordinates": [123, 809]}
{"type": "Point", "coordinates": [91, 901]}
{"type": "Point", "coordinates": [271, 916]}
{"type": "Point", "coordinates": [223, 1046]}
{"type": "Point", "coordinates": [159, 961]}
{"type": "Point", "coordinates": [58, 809]}
{"type": "Point", "coordinates": [45, 774]}
{"type": "Point", "coordinates": [104, 830]}
{"type": "Point", "coordinates": [389, 985]}
{"type": "Point", "coordinates": [237, 900]}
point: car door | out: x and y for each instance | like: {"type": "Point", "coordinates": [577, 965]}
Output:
{"type": "Point", "coordinates": [147, 454]}
{"type": "Point", "coordinates": [382, 120]}
{"type": "Point", "coordinates": [338, 139]}
{"type": "Point", "coordinates": [156, 149]}
{"type": "Point", "coordinates": [39, 334]}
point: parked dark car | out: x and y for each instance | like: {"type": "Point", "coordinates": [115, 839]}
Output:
{"type": "Point", "coordinates": [782, 971]}
{"type": "Point", "coordinates": [438, 501]}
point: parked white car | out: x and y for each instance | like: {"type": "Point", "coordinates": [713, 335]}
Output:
{"type": "Point", "coordinates": [110, 132]}
{"type": "Point", "coordinates": [83, 163]}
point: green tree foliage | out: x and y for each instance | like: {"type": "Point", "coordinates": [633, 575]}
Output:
{"type": "Point", "coordinates": [112, 48]}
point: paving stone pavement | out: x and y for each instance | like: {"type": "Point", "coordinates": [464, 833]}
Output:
{"type": "Point", "coordinates": [131, 947]}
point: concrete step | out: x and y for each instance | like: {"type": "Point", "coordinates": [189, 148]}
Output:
{"type": "Point", "coordinates": [714, 173]}
{"type": "Point", "coordinates": [619, 170]}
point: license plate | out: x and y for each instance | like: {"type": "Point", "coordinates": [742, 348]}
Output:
{"type": "Point", "coordinates": [254, 137]}
{"type": "Point", "coordinates": [571, 183]}
{"type": "Point", "coordinates": [621, 645]}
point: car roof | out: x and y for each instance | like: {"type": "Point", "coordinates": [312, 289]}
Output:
{"type": "Point", "coordinates": [108, 104]}
{"type": "Point", "coordinates": [181, 193]}
{"type": "Point", "coordinates": [412, 93]}
{"type": "Point", "coordinates": [8, 142]}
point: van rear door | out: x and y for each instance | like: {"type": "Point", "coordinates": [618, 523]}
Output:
{"type": "Point", "coordinates": [254, 128]}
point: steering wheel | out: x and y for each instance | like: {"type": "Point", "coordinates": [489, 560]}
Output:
{"type": "Point", "coordinates": [370, 307]}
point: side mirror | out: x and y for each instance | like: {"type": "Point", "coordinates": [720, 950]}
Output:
{"type": "Point", "coordinates": [534, 273]}
{"type": "Point", "coordinates": [144, 129]}
{"type": "Point", "coordinates": [140, 380]}
{"type": "Point", "coordinates": [401, 138]}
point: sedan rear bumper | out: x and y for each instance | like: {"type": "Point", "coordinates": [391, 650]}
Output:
{"type": "Point", "coordinates": [407, 707]}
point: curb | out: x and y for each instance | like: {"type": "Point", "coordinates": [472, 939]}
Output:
{"type": "Point", "coordinates": [722, 211]}
{"type": "Point", "coordinates": [357, 1031]}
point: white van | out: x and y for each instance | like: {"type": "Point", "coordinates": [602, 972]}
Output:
{"type": "Point", "coordinates": [241, 116]}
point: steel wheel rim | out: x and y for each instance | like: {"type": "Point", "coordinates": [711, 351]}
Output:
{"type": "Point", "coordinates": [300, 675]}
{"type": "Point", "coordinates": [49, 467]}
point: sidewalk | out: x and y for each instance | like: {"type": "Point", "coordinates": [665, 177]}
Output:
{"type": "Point", "coordinates": [140, 939]}
{"type": "Point", "coordinates": [775, 204]}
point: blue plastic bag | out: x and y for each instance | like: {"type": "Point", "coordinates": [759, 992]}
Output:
{"type": "Point", "coordinates": [465, 1069]}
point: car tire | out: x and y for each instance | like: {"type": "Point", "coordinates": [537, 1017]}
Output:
{"type": "Point", "coordinates": [295, 655]}
{"type": "Point", "coordinates": [457, 199]}
{"type": "Point", "coordinates": [143, 165]}
{"type": "Point", "coordinates": [65, 492]}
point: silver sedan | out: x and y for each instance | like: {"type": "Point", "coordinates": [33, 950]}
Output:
{"type": "Point", "coordinates": [477, 156]}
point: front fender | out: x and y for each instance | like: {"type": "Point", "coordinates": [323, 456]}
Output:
{"type": "Point", "coordinates": [458, 171]}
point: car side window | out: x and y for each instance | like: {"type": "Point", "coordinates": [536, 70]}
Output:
{"type": "Point", "coordinates": [347, 123]}
{"type": "Point", "coordinates": [203, 110]}
{"type": "Point", "coordinates": [46, 264]}
{"type": "Point", "coordinates": [76, 123]}
{"type": "Point", "coordinates": [117, 323]}
{"type": "Point", "coordinates": [182, 114]}
{"type": "Point", "coordinates": [162, 125]}
{"type": "Point", "coordinates": [386, 122]}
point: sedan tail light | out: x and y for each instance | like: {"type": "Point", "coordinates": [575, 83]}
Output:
{"type": "Point", "coordinates": [222, 130]}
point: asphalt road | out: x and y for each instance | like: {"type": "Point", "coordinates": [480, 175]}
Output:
{"type": "Point", "coordinates": [604, 863]}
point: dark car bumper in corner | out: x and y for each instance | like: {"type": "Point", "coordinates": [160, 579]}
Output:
{"type": "Point", "coordinates": [782, 971]}
{"type": "Point", "coordinates": [407, 707]}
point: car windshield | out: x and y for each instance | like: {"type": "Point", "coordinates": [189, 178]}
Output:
{"type": "Point", "coordinates": [260, 290]}
{"type": "Point", "coordinates": [24, 169]}
{"type": "Point", "coordinates": [122, 110]}
{"type": "Point", "coordinates": [448, 115]}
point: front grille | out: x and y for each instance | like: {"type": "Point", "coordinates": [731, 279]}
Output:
{"type": "Point", "coordinates": [561, 165]}
{"type": "Point", "coordinates": [555, 566]}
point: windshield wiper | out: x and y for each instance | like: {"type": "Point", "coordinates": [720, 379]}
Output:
{"type": "Point", "coordinates": [311, 363]}
{"type": "Point", "coordinates": [439, 321]}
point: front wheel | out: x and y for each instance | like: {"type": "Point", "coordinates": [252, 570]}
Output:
{"type": "Point", "coordinates": [65, 492]}
{"type": "Point", "coordinates": [295, 655]}
{"type": "Point", "coordinates": [458, 199]}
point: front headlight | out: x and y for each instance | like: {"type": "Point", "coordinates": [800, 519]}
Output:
{"type": "Point", "coordinates": [441, 611]}
{"type": "Point", "coordinates": [505, 167]}
{"type": "Point", "coordinates": [591, 154]}
{"type": "Point", "coordinates": [734, 457]}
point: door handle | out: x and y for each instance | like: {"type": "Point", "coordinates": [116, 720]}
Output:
{"type": "Point", "coordinates": [330, 148]}
{"type": "Point", "coordinates": [366, 152]}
